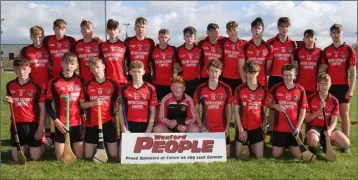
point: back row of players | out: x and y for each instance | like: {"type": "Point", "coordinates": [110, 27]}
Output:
{"type": "Point", "coordinates": [121, 64]}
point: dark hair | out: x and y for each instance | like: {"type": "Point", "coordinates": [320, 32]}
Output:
{"type": "Point", "coordinates": [284, 20]}
{"type": "Point", "coordinates": [191, 30]}
{"type": "Point", "coordinates": [309, 32]}
{"type": "Point", "coordinates": [21, 61]}
{"type": "Point", "coordinates": [288, 67]}
{"type": "Point", "coordinates": [336, 27]}
{"type": "Point", "coordinates": [257, 22]}
{"type": "Point", "coordinates": [216, 64]}
{"type": "Point", "coordinates": [212, 26]}
{"type": "Point", "coordinates": [112, 24]}
{"type": "Point", "coordinates": [163, 31]}
{"type": "Point", "coordinates": [232, 25]}
{"type": "Point", "coordinates": [251, 67]}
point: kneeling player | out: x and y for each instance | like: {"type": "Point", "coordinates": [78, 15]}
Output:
{"type": "Point", "coordinates": [316, 131]}
{"type": "Point", "coordinates": [28, 110]}
{"type": "Point", "coordinates": [100, 91]}
{"type": "Point", "coordinates": [249, 112]}
{"type": "Point", "coordinates": [177, 111]}
{"type": "Point", "coordinates": [216, 99]}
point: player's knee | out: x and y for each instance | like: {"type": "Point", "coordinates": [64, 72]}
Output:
{"type": "Point", "coordinates": [276, 153]}
{"type": "Point", "coordinates": [193, 128]}
{"type": "Point", "coordinates": [160, 128]}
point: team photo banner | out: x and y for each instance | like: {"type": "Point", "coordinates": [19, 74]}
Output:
{"type": "Point", "coordinates": [145, 148]}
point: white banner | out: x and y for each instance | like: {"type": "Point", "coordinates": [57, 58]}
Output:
{"type": "Point", "coordinates": [145, 148]}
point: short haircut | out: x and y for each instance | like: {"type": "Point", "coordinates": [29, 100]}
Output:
{"type": "Point", "coordinates": [141, 20]}
{"type": "Point", "coordinates": [336, 27]}
{"type": "Point", "coordinates": [60, 23]}
{"type": "Point", "coordinates": [232, 25]}
{"type": "Point", "coordinates": [163, 31]}
{"type": "Point", "coordinates": [191, 30]}
{"type": "Point", "coordinates": [112, 24]}
{"type": "Point", "coordinates": [36, 30]}
{"type": "Point", "coordinates": [86, 23]}
{"type": "Point", "coordinates": [284, 21]}
{"type": "Point", "coordinates": [216, 64]}
{"type": "Point", "coordinates": [178, 79]}
{"type": "Point", "coordinates": [309, 33]}
{"type": "Point", "coordinates": [93, 61]}
{"type": "Point", "coordinates": [212, 26]}
{"type": "Point", "coordinates": [69, 57]}
{"type": "Point", "coordinates": [257, 22]}
{"type": "Point", "coordinates": [21, 61]}
{"type": "Point", "coordinates": [323, 77]}
{"type": "Point", "coordinates": [136, 65]}
{"type": "Point", "coordinates": [251, 67]}
{"type": "Point", "coordinates": [288, 67]}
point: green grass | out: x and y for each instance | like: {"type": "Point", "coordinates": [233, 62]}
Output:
{"type": "Point", "coordinates": [268, 168]}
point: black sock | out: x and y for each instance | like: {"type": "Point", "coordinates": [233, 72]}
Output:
{"type": "Point", "coordinates": [312, 149]}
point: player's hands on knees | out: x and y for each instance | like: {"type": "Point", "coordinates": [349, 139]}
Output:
{"type": "Point", "coordinates": [203, 129]}
{"type": "Point", "coordinates": [8, 100]}
{"type": "Point", "coordinates": [243, 135]}
{"type": "Point", "coordinates": [279, 108]}
{"type": "Point", "coordinates": [172, 123]}
{"type": "Point", "coordinates": [328, 133]}
{"type": "Point", "coordinates": [60, 126]}
{"type": "Point", "coordinates": [40, 132]}
{"type": "Point", "coordinates": [297, 130]}
{"type": "Point", "coordinates": [182, 128]}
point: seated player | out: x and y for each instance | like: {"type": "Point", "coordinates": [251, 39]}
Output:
{"type": "Point", "coordinates": [316, 131]}
{"type": "Point", "coordinates": [177, 111]}
{"type": "Point", "coordinates": [27, 99]}
{"type": "Point", "coordinates": [100, 91]}
{"type": "Point", "coordinates": [248, 101]}
{"type": "Point", "coordinates": [216, 100]}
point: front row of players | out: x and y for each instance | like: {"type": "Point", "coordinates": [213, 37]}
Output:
{"type": "Point", "coordinates": [178, 112]}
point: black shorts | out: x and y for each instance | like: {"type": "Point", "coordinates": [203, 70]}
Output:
{"type": "Point", "coordinates": [322, 137]}
{"type": "Point", "coordinates": [190, 86]}
{"type": "Point", "coordinates": [146, 77]}
{"type": "Point", "coordinates": [253, 136]}
{"type": "Point", "coordinates": [161, 90]}
{"type": "Point", "coordinates": [284, 139]}
{"type": "Point", "coordinates": [233, 83]}
{"type": "Point", "coordinates": [339, 91]}
{"type": "Point", "coordinates": [309, 93]}
{"type": "Point", "coordinates": [26, 133]}
{"type": "Point", "coordinates": [76, 135]}
{"type": "Point", "coordinates": [273, 80]}
{"type": "Point", "coordinates": [137, 127]}
{"type": "Point", "coordinates": [109, 133]}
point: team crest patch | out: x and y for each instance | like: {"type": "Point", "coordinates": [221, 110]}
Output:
{"type": "Point", "coordinates": [290, 50]}
{"type": "Point", "coordinates": [29, 92]}
{"type": "Point", "coordinates": [260, 97]}
{"type": "Point", "coordinates": [95, 48]}
{"type": "Point", "coordinates": [108, 91]}
{"type": "Point", "coordinates": [183, 108]}
{"type": "Point", "coordinates": [212, 96]}
{"type": "Point", "coordinates": [146, 47]}
{"type": "Point", "coordinates": [144, 96]}
{"type": "Point", "coordinates": [295, 98]}
{"type": "Point", "coordinates": [343, 55]}
{"type": "Point", "coordinates": [170, 55]}
{"type": "Point", "coordinates": [221, 95]}
{"type": "Point", "coordinates": [264, 52]}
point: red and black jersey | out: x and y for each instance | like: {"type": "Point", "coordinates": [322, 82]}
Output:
{"type": "Point", "coordinates": [163, 60]}
{"type": "Point", "coordinates": [57, 48]}
{"type": "Point", "coordinates": [211, 51]}
{"type": "Point", "coordinates": [251, 105]}
{"type": "Point", "coordinates": [293, 100]}
{"type": "Point", "coordinates": [57, 90]}
{"type": "Point", "coordinates": [26, 99]}
{"type": "Point", "coordinates": [338, 61]}
{"type": "Point", "coordinates": [108, 91]}
{"type": "Point", "coordinates": [216, 102]}
{"type": "Point", "coordinates": [39, 63]}
{"type": "Point", "coordinates": [332, 108]}
{"type": "Point", "coordinates": [282, 53]}
{"type": "Point", "coordinates": [308, 65]}
{"type": "Point", "coordinates": [189, 61]}
{"type": "Point", "coordinates": [183, 110]}
{"type": "Point", "coordinates": [137, 102]}
{"type": "Point", "coordinates": [232, 53]}
{"type": "Point", "coordinates": [85, 51]}
{"type": "Point", "coordinates": [113, 57]}
{"type": "Point", "coordinates": [139, 50]}
{"type": "Point", "coordinates": [261, 55]}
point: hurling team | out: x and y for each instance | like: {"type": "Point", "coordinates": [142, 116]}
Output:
{"type": "Point", "coordinates": [199, 86]}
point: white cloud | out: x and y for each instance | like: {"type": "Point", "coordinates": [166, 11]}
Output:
{"type": "Point", "coordinates": [176, 15]}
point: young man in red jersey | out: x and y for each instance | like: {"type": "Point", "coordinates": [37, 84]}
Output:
{"type": "Point", "coordinates": [162, 58]}
{"type": "Point", "coordinates": [316, 131]}
{"type": "Point", "coordinates": [216, 100]}
{"type": "Point", "coordinates": [288, 97]}
{"type": "Point", "coordinates": [139, 47]}
{"type": "Point", "coordinates": [27, 102]}
{"type": "Point", "coordinates": [100, 91]}
{"type": "Point", "coordinates": [339, 60]}
{"type": "Point", "coordinates": [113, 52]}
{"type": "Point", "coordinates": [67, 84]}
{"type": "Point", "coordinates": [189, 56]}
{"type": "Point", "coordinates": [249, 111]}
{"type": "Point", "coordinates": [177, 111]}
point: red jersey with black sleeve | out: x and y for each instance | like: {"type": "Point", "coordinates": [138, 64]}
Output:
{"type": "Point", "coordinates": [57, 48]}
{"type": "Point", "coordinates": [216, 102]}
{"type": "Point", "coordinates": [39, 63]}
{"type": "Point", "coordinates": [182, 110]}
{"type": "Point", "coordinates": [189, 61]}
{"type": "Point", "coordinates": [261, 54]}
{"type": "Point", "coordinates": [163, 60]}
{"type": "Point", "coordinates": [108, 91]}
{"type": "Point", "coordinates": [232, 53]}
{"type": "Point", "coordinates": [57, 90]}
{"type": "Point", "coordinates": [26, 99]}
{"type": "Point", "coordinates": [113, 57]}
{"type": "Point", "coordinates": [282, 53]}
{"type": "Point", "coordinates": [332, 108]}
{"type": "Point", "coordinates": [137, 102]}
{"type": "Point", "coordinates": [293, 100]}
{"type": "Point", "coordinates": [211, 51]}
{"type": "Point", "coordinates": [85, 52]}
{"type": "Point", "coordinates": [251, 105]}
{"type": "Point", "coordinates": [139, 50]}
{"type": "Point", "coordinates": [338, 61]}
{"type": "Point", "coordinates": [308, 65]}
